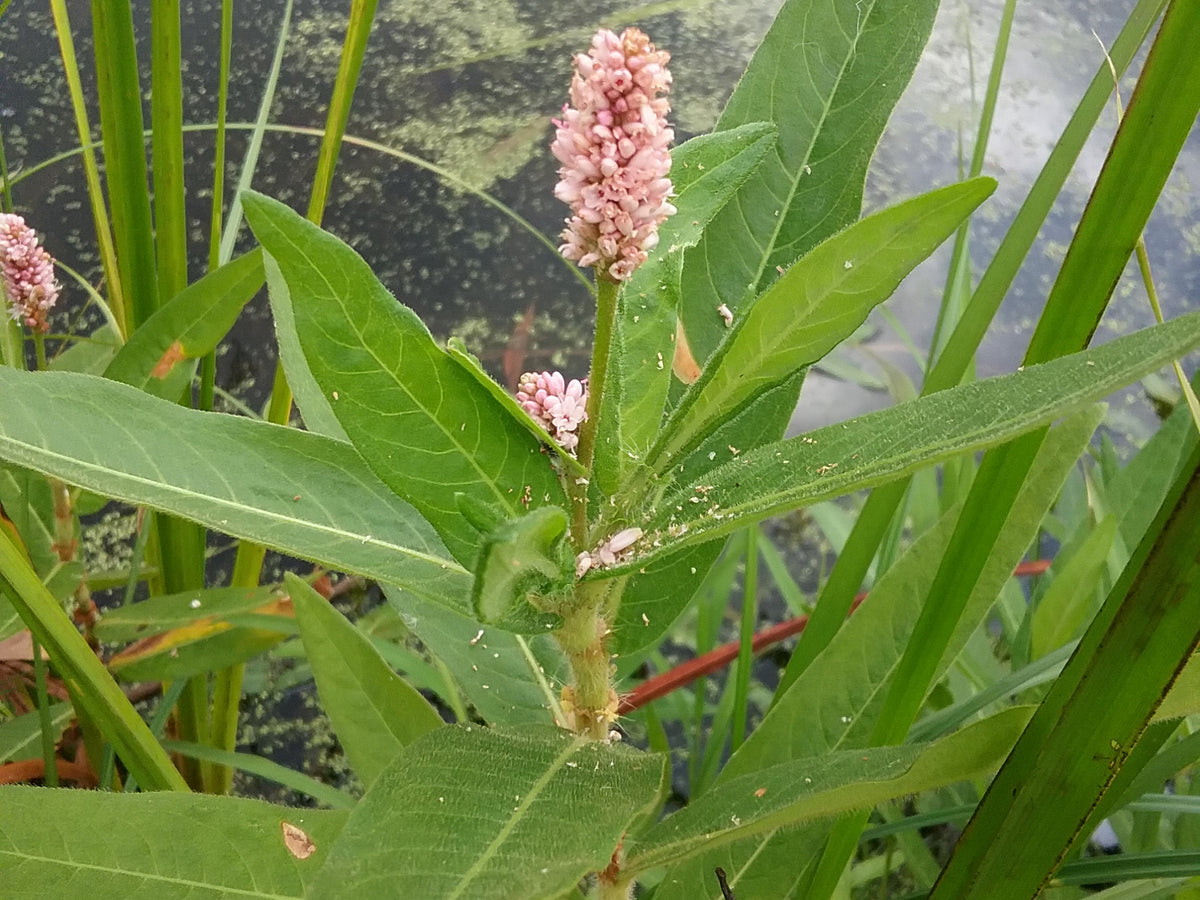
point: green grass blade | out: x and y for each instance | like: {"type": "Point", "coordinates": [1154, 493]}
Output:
{"type": "Point", "coordinates": [998, 277]}
{"type": "Point", "coordinates": [166, 147]}
{"type": "Point", "coordinates": [958, 278]}
{"type": "Point", "coordinates": [125, 157]}
{"type": "Point", "coordinates": [257, 130]}
{"type": "Point", "coordinates": [95, 690]}
{"type": "Point", "coordinates": [266, 769]}
{"type": "Point", "coordinates": [1082, 733]}
{"type": "Point", "coordinates": [104, 236]}
{"type": "Point", "coordinates": [1161, 114]}
{"type": "Point", "coordinates": [358, 29]}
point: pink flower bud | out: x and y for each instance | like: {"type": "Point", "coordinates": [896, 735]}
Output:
{"type": "Point", "coordinates": [557, 405]}
{"type": "Point", "coordinates": [26, 273]}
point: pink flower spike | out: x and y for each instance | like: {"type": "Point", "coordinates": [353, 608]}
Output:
{"type": "Point", "coordinates": [26, 273]}
{"type": "Point", "coordinates": [557, 405]}
{"type": "Point", "coordinates": [613, 144]}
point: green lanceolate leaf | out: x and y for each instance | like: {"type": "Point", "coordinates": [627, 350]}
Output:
{"type": "Point", "coordinates": [520, 562]}
{"type": "Point", "coordinates": [826, 75]}
{"type": "Point", "coordinates": [801, 790]}
{"type": "Point", "coordinates": [157, 845]}
{"type": "Point", "coordinates": [815, 305]}
{"type": "Point", "coordinates": [510, 679]}
{"type": "Point", "coordinates": [190, 650]}
{"type": "Point", "coordinates": [422, 423]}
{"type": "Point", "coordinates": [374, 711]}
{"type": "Point", "coordinates": [885, 445]}
{"type": "Point", "coordinates": [476, 813]}
{"type": "Point", "coordinates": [706, 171]}
{"type": "Point", "coordinates": [161, 356]}
{"type": "Point", "coordinates": [300, 493]}
{"type": "Point", "coordinates": [314, 406]}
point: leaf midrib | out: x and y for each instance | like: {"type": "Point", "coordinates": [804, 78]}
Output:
{"type": "Point", "coordinates": [501, 496]}
{"type": "Point", "coordinates": [794, 179]}
{"type": "Point", "coordinates": [518, 815]}
{"type": "Point", "coordinates": [221, 889]}
{"type": "Point", "coordinates": [69, 468]}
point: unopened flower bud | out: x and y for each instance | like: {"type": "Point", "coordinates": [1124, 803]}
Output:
{"type": "Point", "coordinates": [558, 405]}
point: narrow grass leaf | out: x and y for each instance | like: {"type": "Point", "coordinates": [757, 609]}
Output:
{"type": "Point", "coordinates": [266, 769]}
{"type": "Point", "coordinates": [96, 694]}
{"type": "Point", "coordinates": [167, 611]}
{"type": "Point", "coordinates": [1092, 717]}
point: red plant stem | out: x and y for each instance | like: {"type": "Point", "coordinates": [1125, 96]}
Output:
{"type": "Point", "coordinates": [687, 672]}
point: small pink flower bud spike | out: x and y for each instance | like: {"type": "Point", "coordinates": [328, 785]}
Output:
{"type": "Point", "coordinates": [26, 273]}
{"type": "Point", "coordinates": [557, 405]}
{"type": "Point", "coordinates": [613, 142]}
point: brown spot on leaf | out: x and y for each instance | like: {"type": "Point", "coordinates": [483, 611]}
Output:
{"type": "Point", "coordinates": [684, 365]}
{"type": "Point", "coordinates": [173, 356]}
{"type": "Point", "coordinates": [298, 843]}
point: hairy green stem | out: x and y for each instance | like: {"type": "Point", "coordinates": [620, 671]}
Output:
{"type": "Point", "coordinates": [583, 638]}
{"type": "Point", "coordinates": [606, 314]}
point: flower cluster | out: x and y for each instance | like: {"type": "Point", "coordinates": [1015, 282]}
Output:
{"type": "Point", "coordinates": [613, 143]}
{"type": "Point", "coordinates": [26, 273]}
{"type": "Point", "coordinates": [557, 405]}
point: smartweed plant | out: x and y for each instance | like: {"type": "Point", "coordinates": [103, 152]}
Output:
{"type": "Point", "coordinates": [535, 543]}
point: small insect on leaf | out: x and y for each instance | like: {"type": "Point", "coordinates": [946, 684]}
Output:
{"type": "Point", "coordinates": [298, 843]}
